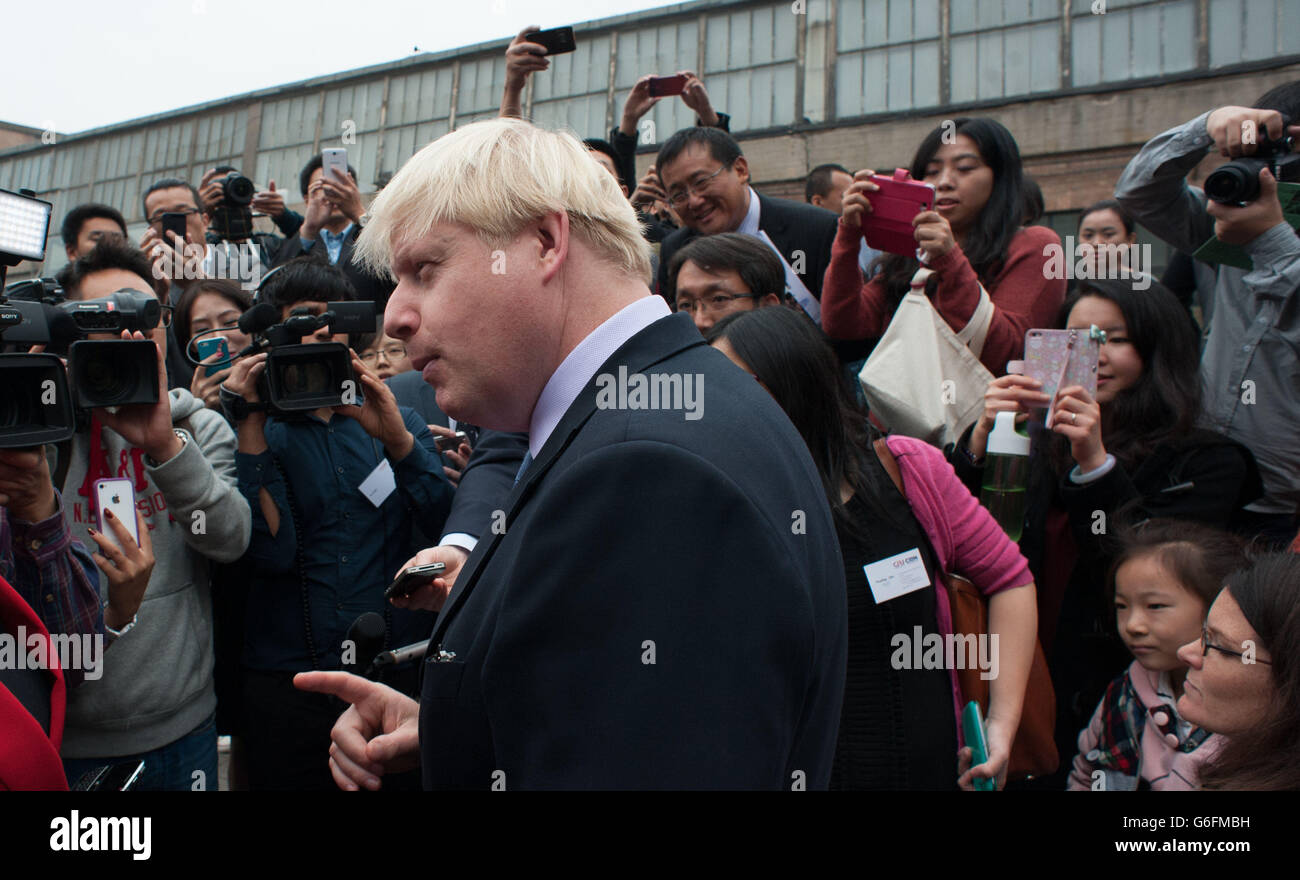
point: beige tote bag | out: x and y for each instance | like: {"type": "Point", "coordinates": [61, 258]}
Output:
{"type": "Point", "coordinates": [923, 380]}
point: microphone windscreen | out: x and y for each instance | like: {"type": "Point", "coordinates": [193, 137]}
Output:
{"type": "Point", "coordinates": [258, 318]}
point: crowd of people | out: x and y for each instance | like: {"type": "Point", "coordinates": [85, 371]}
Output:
{"type": "Point", "coordinates": [634, 599]}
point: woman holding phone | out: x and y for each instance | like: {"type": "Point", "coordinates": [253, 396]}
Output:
{"type": "Point", "coordinates": [1132, 451]}
{"type": "Point", "coordinates": [206, 306]}
{"type": "Point", "coordinates": [973, 237]}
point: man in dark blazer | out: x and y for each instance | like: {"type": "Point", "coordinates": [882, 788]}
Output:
{"type": "Point", "coordinates": [662, 603]}
{"type": "Point", "coordinates": [330, 228]}
{"type": "Point", "coordinates": [707, 179]}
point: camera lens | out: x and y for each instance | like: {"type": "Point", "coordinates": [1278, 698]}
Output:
{"type": "Point", "coordinates": [238, 189]}
{"type": "Point", "coordinates": [1234, 182]}
{"type": "Point", "coordinates": [18, 407]}
{"type": "Point", "coordinates": [114, 372]}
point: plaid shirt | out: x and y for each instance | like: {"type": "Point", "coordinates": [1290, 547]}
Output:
{"type": "Point", "coordinates": [54, 574]}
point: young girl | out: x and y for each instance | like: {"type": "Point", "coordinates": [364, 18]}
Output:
{"type": "Point", "coordinates": [1166, 575]}
{"type": "Point", "coordinates": [973, 236]}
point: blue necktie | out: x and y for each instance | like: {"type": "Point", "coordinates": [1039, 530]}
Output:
{"type": "Point", "coordinates": [523, 466]}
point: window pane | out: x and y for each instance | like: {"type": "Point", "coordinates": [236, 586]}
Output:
{"type": "Point", "coordinates": [900, 78]}
{"type": "Point", "coordinates": [877, 23]}
{"type": "Point", "coordinates": [849, 25]}
{"type": "Point", "coordinates": [1085, 50]}
{"type": "Point", "coordinates": [962, 69]}
{"type": "Point", "coordinates": [900, 21]}
{"type": "Point", "coordinates": [1045, 57]}
{"type": "Point", "coordinates": [1225, 32]}
{"type": "Point", "coordinates": [990, 65]}
{"type": "Point", "coordinates": [1116, 52]}
{"type": "Point", "coordinates": [925, 18]}
{"type": "Point", "coordinates": [1146, 21]}
{"type": "Point", "coordinates": [925, 75]}
{"type": "Point", "coordinates": [1015, 61]}
{"type": "Point", "coordinates": [1178, 36]}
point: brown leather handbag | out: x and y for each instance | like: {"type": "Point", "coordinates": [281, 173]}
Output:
{"type": "Point", "coordinates": [1033, 752]}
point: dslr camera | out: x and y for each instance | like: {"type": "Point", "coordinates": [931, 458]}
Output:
{"type": "Point", "coordinates": [1237, 182]}
{"type": "Point", "coordinates": [39, 400]}
{"type": "Point", "coordinates": [236, 189]}
{"type": "Point", "coordinates": [302, 377]}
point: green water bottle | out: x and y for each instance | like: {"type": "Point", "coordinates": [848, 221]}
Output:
{"type": "Point", "coordinates": [1006, 474]}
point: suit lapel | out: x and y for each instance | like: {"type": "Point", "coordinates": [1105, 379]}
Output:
{"type": "Point", "coordinates": [662, 339]}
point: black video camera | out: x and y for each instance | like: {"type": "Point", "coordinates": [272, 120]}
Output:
{"type": "Point", "coordinates": [303, 377]}
{"type": "Point", "coordinates": [39, 399]}
{"type": "Point", "coordinates": [1237, 182]}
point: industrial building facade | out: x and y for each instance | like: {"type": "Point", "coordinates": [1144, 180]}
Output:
{"type": "Point", "coordinates": [1080, 83]}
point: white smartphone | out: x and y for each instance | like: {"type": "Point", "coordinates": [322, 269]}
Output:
{"type": "Point", "coordinates": [334, 161]}
{"type": "Point", "coordinates": [118, 496]}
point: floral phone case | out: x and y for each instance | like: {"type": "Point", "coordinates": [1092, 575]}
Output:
{"type": "Point", "coordinates": [1061, 358]}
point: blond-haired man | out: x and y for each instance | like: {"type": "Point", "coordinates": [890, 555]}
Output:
{"type": "Point", "coordinates": [661, 603]}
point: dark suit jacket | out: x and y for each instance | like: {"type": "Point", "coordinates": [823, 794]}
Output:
{"type": "Point", "coordinates": [665, 608]}
{"type": "Point", "coordinates": [368, 287]}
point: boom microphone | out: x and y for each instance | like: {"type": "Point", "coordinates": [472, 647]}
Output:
{"type": "Point", "coordinates": [258, 318]}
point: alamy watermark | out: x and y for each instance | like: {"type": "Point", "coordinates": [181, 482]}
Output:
{"type": "Point", "coordinates": [677, 391]}
{"type": "Point", "coordinates": [1088, 262]}
{"type": "Point", "coordinates": [919, 650]}
{"type": "Point", "coordinates": [23, 650]}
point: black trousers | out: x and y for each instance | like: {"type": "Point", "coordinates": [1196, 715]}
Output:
{"type": "Point", "coordinates": [287, 733]}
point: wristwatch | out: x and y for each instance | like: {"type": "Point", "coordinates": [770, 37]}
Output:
{"type": "Point", "coordinates": [236, 407]}
{"type": "Point", "coordinates": [152, 462]}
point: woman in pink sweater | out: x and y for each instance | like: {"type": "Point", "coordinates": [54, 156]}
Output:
{"type": "Point", "coordinates": [900, 724]}
{"type": "Point", "coordinates": [972, 237]}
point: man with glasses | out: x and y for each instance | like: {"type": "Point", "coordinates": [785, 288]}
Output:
{"type": "Point", "coordinates": [706, 178]}
{"type": "Point", "coordinates": [176, 264]}
{"type": "Point", "coordinates": [155, 701]}
{"type": "Point", "coordinates": [714, 276]}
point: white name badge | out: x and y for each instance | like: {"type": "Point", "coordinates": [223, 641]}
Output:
{"type": "Point", "coordinates": [897, 575]}
{"type": "Point", "coordinates": [380, 484]}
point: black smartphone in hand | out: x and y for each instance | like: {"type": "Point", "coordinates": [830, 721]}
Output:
{"type": "Point", "coordinates": [173, 221]}
{"type": "Point", "coordinates": [556, 40]}
{"type": "Point", "coordinates": [450, 444]}
{"type": "Point", "coordinates": [413, 577]}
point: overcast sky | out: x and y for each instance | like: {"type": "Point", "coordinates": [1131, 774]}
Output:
{"type": "Point", "coordinates": [86, 63]}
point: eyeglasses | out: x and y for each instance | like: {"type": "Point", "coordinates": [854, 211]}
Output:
{"type": "Point", "coordinates": [677, 198]}
{"type": "Point", "coordinates": [1206, 645]}
{"type": "Point", "coordinates": [391, 353]}
{"type": "Point", "coordinates": [157, 219]}
{"type": "Point", "coordinates": [718, 302]}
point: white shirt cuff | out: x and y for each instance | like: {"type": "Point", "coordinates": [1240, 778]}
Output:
{"type": "Point", "coordinates": [461, 540]}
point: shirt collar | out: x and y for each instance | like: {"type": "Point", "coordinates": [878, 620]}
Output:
{"type": "Point", "coordinates": [341, 236]}
{"type": "Point", "coordinates": [578, 369]}
{"type": "Point", "coordinates": [749, 226]}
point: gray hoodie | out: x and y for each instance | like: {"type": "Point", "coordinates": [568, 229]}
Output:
{"type": "Point", "coordinates": [157, 682]}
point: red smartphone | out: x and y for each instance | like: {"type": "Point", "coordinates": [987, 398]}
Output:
{"type": "Point", "coordinates": [661, 86]}
{"type": "Point", "coordinates": [556, 40]}
{"type": "Point", "coordinates": [888, 227]}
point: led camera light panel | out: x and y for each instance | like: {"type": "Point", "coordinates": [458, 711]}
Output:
{"type": "Point", "coordinates": [24, 223]}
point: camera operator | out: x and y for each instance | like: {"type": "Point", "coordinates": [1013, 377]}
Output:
{"type": "Point", "coordinates": [229, 200]}
{"type": "Point", "coordinates": [324, 545]}
{"type": "Point", "coordinates": [155, 701]}
{"type": "Point", "coordinates": [1252, 353]}
{"type": "Point", "coordinates": [330, 228]}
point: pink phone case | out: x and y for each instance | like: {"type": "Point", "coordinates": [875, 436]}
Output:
{"type": "Point", "coordinates": [1061, 358]}
{"type": "Point", "coordinates": [889, 225]}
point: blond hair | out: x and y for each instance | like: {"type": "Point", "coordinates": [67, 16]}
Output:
{"type": "Point", "coordinates": [495, 177]}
